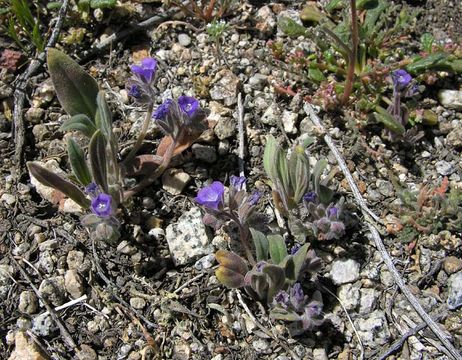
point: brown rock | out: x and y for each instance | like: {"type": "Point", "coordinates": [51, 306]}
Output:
{"type": "Point", "coordinates": [452, 265]}
{"type": "Point", "coordinates": [25, 349]}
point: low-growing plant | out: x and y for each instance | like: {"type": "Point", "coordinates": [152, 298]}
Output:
{"type": "Point", "coordinates": [427, 211]}
{"type": "Point", "coordinates": [97, 181]}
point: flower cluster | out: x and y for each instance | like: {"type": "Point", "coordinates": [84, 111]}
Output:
{"type": "Point", "coordinates": [239, 206]}
{"type": "Point", "coordinates": [324, 221]}
{"type": "Point", "coordinates": [293, 305]}
{"type": "Point", "coordinates": [141, 84]}
{"type": "Point", "coordinates": [175, 117]}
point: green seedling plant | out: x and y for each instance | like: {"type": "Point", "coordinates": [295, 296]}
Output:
{"type": "Point", "coordinates": [98, 176]}
{"type": "Point", "coordinates": [216, 30]}
{"type": "Point", "coordinates": [21, 25]}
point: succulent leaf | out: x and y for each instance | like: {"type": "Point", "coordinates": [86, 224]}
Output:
{"type": "Point", "coordinates": [231, 261]}
{"type": "Point", "coordinates": [229, 278]}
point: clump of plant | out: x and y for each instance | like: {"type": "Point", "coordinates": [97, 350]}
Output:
{"type": "Point", "coordinates": [273, 272]}
{"type": "Point", "coordinates": [301, 196]}
{"type": "Point", "coordinates": [206, 11]}
{"type": "Point", "coordinates": [427, 211]}
{"type": "Point", "coordinates": [216, 30]}
{"type": "Point", "coordinates": [98, 175]}
{"type": "Point", "coordinates": [359, 49]}
{"type": "Point", "coordinates": [21, 25]}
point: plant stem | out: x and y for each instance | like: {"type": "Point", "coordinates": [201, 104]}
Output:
{"type": "Point", "coordinates": [352, 55]}
{"type": "Point", "coordinates": [148, 180]}
{"type": "Point", "coordinates": [244, 233]}
{"type": "Point", "coordinates": [142, 134]}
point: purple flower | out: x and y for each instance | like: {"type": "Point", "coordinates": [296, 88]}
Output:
{"type": "Point", "coordinates": [101, 205]}
{"type": "Point", "coordinates": [147, 69]}
{"type": "Point", "coordinates": [282, 299]}
{"type": "Point", "coordinates": [134, 91]}
{"type": "Point", "coordinates": [188, 105]}
{"type": "Point", "coordinates": [310, 197]}
{"type": "Point", "coordinates": [254, 197]}
{"type": "Point", "coordinates": [238, 182]}
{"type": "Point", "coordinates": [92, 189]}
{"type": "Point", "coordinates": [163, 110]}
{"type": "Point", "coordinates": [260, 265]}
{"type": "Point", "coordinates": [401, 79]}
{"type": "Point", "coordinates": [314, 309]}
{"type": "Point", "coordinates": [294, 249]}
{"type": "Point", "coordinates": [333, 212]}
{"type": "Point", "coordinates": [211, 196]}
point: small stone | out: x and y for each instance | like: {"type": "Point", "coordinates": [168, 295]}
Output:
{"type": "Point", "coordinates": [74, 284]}
{"type": "Point", "coordinates": [204, 153]}
{"type": "Point", "coordinates": [86, 353]}
{"type": "Point", "coordinates": [205, 262]}
{"type": "Point", "coordinates": [124, 247]}
{"type": "Point", "coordinates": [74, 259]}
{"type": "Point", "coordinates": [455, 290]}
{"type": "Point", "coordinates": [48, 245]}
{"type": "Point", "coordinates": [344, 271]}
{"type": "Point", "coordinates": [33, 229]}
{"type": "Point", "coordinates": [266, 21]}
{"type": "Point", "coordinates": [451, 99]}
{"type": "Point", "coordinates": [349, 296]}
{"type": "Point", "coordinates": [288, 121]}
{"type": "Point", "coordinates": [174, 181]}
{"type": "Point", "coordinates": [34, 115]}
{"type": "Point", "coordinates": [52, 289]}
{"type": "Point", "coordinates": [28, 302]}
{"type": "Point", "coordinates": [258, 81]}
{"type": "Point", "coordinates": [373, 330]}
{"type": "Point", "coordinates": [8, 199]}
{"type": "Point", "coordinates": [452, 264]}
{"type": "Point", "coordinates": [271, 115]}
{"type": "Point", "coordinates": [385, 187]}
{"type": "Point", "coordinates": [43, 325]}
{"type": "Point", "coordinates": [138, 303]}
{"type": "Point", "coordinates": [225, 128]}
{"type": "Point", "coordinates": [188, 238]}
{"type": "Point", "coordinates": [454, 138]}
{"type": "Point", "coordinates": [225, 87]}
{"type": "Point", "coordinates": [319, 354]}
{"type": "Point", "coordinates": [444, 168]}
{"type": "Point", "coordinates": [184, 40]}
{"type": "Point", "coordinates": [261, 346]}
{"type": "Point", "coordinates": [368, 300]}
{"type": "Point", "coordinates": [25, 348]}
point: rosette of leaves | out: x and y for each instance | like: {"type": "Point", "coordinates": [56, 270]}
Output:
{"type": "Point", "coordinates": [275, 269]}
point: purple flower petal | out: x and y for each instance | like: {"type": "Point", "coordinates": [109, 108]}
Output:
{"type": "Point", "coordinates": [332, 212]}
{"type": "Point", "coordinates": [253, 199]}
{"type": "Point", "coordinates": [163, 110]}
{"type": "Point", "coordinates": [147, 69]}
{"type": "Point", "coordinates": [211, 196]}
{"type": "Point", "coordinates": [101, 205]}
{"type": "Point", "coordinates": [260, 265]}
{"type": "Point", "coordinates": [310, 197]}
{"type": "Point", "coordinates": [237, 182]}
{"type": "Point", "coordinates": [92, 189]}
{"type": "Point", "coordinates": [282, 299]}
{"type": "Point", "coordinates": [134, 91]}
{"type": "Point", "coordinates": [401, 79]}
{"type": "Point", "coordinates": [294, 249]}
{"type": "Point", "coordinates": [188, 105]}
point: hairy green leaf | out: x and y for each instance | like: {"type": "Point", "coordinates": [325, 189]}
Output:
{"type": "Point", "coordinates": [383, 116]}
{"type": "Point", "coordinates": [261, 244]}
{"type": "Point", "coordinates": [49, 178]}
{"type": "Point", "coordinates": [291, 27]}
{"type": "Point", "coordinates": [101, 4]}
{"type": "Point", "coordinates": [277, 280]}
{"type": "Point", "coordinates": [103, 116]}
{"type": "Point", "coordinates": [76, 90]}
{"type": "Point", "coordinates": [269, 158]}
{"type": "Point", "coordinates": [299, 173]}
{"type": "Point", "coordinates": [78, 163]}
{"type": "Point", "coordinates": [80, 122]}
{"type": "Point", "coordinates": [97, 154]}
{"type": "Point", "coordinates": [430, 62]}
{"type": "Point", "coordinates": [299, 259]}
{"type": "Point", "coordinates": [277, 248]}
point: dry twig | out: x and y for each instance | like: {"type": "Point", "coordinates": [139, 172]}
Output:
{"type": "Point", "coordinates": [378, 241]}
{"type": "Point", "coordinates": [240, 127]}
{"type": "Point", "coordinates": [20, 92]}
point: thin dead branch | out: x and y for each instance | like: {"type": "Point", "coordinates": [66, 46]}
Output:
{"type": "Point", "coordinates": [241, 131]}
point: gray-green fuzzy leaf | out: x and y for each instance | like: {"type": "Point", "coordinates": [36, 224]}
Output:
{"type": "Point", "coordinates": [78, 163]}
{"type": "Point", "coordinates": [49, 178]}
{"type": "Point", "coordinates": [103, 116]}
{"type": "Point", "coordinates": [97, 154]}
{"type": "Point", "coordinates": [76, 90]}
{"type": "Point", "coordinates": [80, 122]}
{"type": "Point", "coordinates": [261, 244]}
{"type": "Point", "coordinates": [277, 248]}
